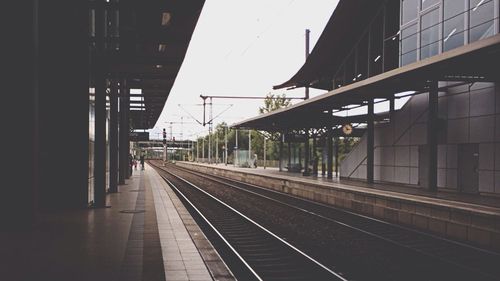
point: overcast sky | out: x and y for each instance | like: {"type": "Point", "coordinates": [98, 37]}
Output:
{"type": "Point", "coordinates": [241, 48]}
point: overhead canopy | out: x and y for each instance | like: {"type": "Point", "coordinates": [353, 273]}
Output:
{"type": "Point", "coordinates": [342, 31]}
{"type": "Point", "coordinates": [474, 62]}
{"type": "Point", "coordinates": [153, 39]}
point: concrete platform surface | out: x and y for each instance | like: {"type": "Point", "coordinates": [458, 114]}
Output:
{"type": "Point", "coordinates": [141, 236]}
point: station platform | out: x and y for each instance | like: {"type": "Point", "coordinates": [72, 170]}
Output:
{"type": "Point", "coordinates": [470, 218]}
{"type": "Point", "coordinates": [144, 233]}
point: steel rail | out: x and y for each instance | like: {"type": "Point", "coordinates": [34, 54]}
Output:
{"type": "Point", "coordinates": [337, 275]}
{"type": "Point", "coordinates": [392, 241]}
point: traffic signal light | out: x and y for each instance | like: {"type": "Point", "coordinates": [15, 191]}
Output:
{"type": "Point", "coordinates": [164, 136]}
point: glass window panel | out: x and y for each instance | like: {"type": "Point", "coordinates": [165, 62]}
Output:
{"type": "Point", "coordinates": [430, 19]}
{"type": "Point", "coordinates": [409, 10]}
{"type": "Point", "coordinates": [481, 16]}
{"type": "Point", "coordinates": [482, 31]}
{"type": "Point", "coordinates": [453, 8]}
{"type": "Point", "coordinates": [453, 32]}
{"type": "Point", "coordinates": [427, 3]}
{"type": "Point", "coordinates": [429, 50]}
{"type": "Point", "coordinates": [409, 39]}
{"type": "Point", "coordinates": [481, 12]}
{"type": "Point", "coordinates": [429, 29]}
{"type": "Point", "coordinates": [454, 41]}
{"type": "Point", "coordinates": [429, 36]}
{"type": "Point", "coordinates": [409, 58]}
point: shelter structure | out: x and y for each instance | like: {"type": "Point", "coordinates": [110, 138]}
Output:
{"type": "Point", "coordinates": [87, 73]}
{"type": "Point", "coordinates": [441, 56]}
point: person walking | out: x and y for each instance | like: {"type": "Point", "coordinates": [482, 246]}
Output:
{"type": "Point", "coordinates": [130, 163]}
{"type": "Point", "coordinates": [142, 161]}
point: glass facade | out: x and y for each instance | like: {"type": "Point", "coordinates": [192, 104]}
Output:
{"type": "Point", "coordinates": [406, 31]}
{"type": "Point", "coordinates": [454, 24]}
{"type": "Point", "coordinates": [429, 27]}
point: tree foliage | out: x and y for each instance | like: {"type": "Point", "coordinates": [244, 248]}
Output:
{"type": "Point", "coordinates": [274, 102]}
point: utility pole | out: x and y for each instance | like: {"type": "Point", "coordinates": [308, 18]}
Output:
{"type": "Point", "coordinates": [216, 148]}
{"type": "Point", "coordinates": [210, 133]}
{"type": "Point", "coordinates": [225, 146]}
{"type": "Point", "coordinates": [203, 149]}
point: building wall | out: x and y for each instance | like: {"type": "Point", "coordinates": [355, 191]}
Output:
{"type": "Point", "coordinates": [469, 115]}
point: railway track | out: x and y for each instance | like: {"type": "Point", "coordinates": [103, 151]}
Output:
{"type": "Point", "coordinates": [467, 261]}
{"type": "Point", "coordinates": [264, 255]}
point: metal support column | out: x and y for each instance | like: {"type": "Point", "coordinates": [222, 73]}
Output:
{"type": "Point", "coordinates": [225, 146]}
{"type": "Point", "coordinates": [314, 156]}
{"type": "Point", "coordinates": [306, 154]}
{"type": "Point", "coordinates": [126, 133]}
{"type": "Point", "coordinates": [265, 152]}
{"type": "Point", "coordinates": [370, 143]}
{"type": "Point", "coordinates": [324, 151]}
{"type": "Point", "coordinates": [337, 158]}
{"type": "Point", "coordinates": [432, 136]}
{"type": "Point", "coordinates": [100, 114]}
{"type": "Point", "coordinates": [236, 159]}
{"type": "Point", "coordinates": [289, 154]}
{"type": "Point", "coordinates": [122, 151]}
{"type": "Point", "coordinates": [282, 136]}
{"type": "Point", "coordinates": [329, 158]}
{"type": "Point", "coordinates": [249, 145]}
{"type": "Point", "coordinates": [392, 106]}
{"type": "Point", "coordinates": [113, 137]}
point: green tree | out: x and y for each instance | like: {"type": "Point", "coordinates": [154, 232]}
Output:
{"type": "Point", "coordinates": [274, 102]}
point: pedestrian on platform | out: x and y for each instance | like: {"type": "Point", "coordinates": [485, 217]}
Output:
{"type": "Point", "coordinates": [130, 163]}
{"type": "Point", "coordinates": [142, 161]}
{"type": "Point", "coordinates": [135, 164]}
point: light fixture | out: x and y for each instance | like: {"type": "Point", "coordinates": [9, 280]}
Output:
{"type": "Point", "coordinates": [449, 35]}
{"type": "Point", "coordinates": [477, 6]}
{"type": "Point", "coordinates": [136, 91]}
{"type": "Point", "coordinates": [162, 47]}
{"type": "Point", "coordinates": [377, 58]}
{"type": "Point", "coordinates": [165, 18]}
{"type": "Point", "coordinates": [159, 66]}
